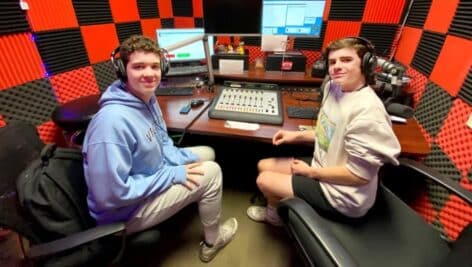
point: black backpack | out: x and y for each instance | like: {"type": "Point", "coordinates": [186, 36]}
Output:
{"type": "Point", "coordinates": [52, 192]}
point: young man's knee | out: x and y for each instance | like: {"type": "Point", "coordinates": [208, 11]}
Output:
{"type": "Point", "coordinates": [212, 173]}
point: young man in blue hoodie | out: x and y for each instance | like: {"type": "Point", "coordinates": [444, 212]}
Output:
{"type": "Point", "coordinates": [133, 171]}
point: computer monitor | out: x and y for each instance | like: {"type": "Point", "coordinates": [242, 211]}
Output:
{"type": "Point", "coordinates": [292, 17]}
{"type": "Point", "coordinates": [232, 17]}
{"type": "Point", "coordinates": [189, 53]}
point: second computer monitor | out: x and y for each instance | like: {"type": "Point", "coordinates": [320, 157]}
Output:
{"type": "Point", "coordinates": [292, 17]}
{"type": "Point", "coordinates": [191, 52]}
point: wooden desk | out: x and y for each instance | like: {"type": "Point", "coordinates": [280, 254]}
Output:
{"type": "Point", "coordinates": [411, 139]}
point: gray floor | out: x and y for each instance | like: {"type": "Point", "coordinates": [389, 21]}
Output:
{"type": "Point", "coordinates": [254, 245]}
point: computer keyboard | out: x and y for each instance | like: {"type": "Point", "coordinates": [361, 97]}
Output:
{"type": "Point", "coordinates": [187, 70]}
{"type": "Point", "coordinates": [302, 112]}
{"type": "Point", "coordinates": [175, 91]}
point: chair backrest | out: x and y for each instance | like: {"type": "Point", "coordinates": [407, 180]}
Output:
{"type": "Point", "coordinates": [19, 145]}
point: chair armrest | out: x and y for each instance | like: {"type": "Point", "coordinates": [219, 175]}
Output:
{"type": "Point", "coordinates": [74, 240]}
{"type": "Point", "coordinates": [437, 177]}
{"type": "Point", "coordinates": [315, 225]}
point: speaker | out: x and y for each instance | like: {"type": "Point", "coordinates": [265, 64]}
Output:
{"type": "Point", "coordinates": [368, 61]}
{"type": "Point", "coordinates": [120, 68]}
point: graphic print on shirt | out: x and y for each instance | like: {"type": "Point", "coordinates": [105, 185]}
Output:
{"type": "Point", "coordinates": [324, 131]}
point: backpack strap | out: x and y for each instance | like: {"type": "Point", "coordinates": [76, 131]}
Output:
{"type": "Point", "coordinates": [46, 153]}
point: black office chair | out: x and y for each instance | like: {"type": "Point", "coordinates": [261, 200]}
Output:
{"type": "Point", "coordinates": [74, 116]}
{"type": "Point", "coordinates": [20, 145]}
{"type": "Point", "coordinates": [391, 234]}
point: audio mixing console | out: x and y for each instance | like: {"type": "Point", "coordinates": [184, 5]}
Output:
{"type": "Point", "coordinates": [248, 102]}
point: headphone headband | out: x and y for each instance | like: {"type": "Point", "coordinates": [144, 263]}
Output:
{"type": "Point", "coordinates": [120, 68]}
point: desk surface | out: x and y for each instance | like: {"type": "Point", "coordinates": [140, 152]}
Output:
{"type": "Point", "coordinates": [409, 134]}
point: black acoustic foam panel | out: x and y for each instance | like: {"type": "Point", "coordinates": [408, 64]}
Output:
{"type": "Point", "coordinates": [418, 13]}
{"type": "Point", "coordinates": [462, 23]}
{"type": "Point", "coordinates": [381, 35]}
{"type": "Point", "coordinates": [167, 23]}
{"type": "Point", "coordinates": [428, 51]}
{"type": "Point", "coordinates": [62, 50]}
{"type": "Point", "coordinates": [104, 74]}
{"type": "Point", "coordinates": [32, 102]}
{"type": "Point", "coordinates": [148, 9]}
{"type": "Point", "coordinates": [13, 19]}
{"type": "Point", "coordinates": [92, 12]}
{"type": "Point", "coordinates": [313, 44]}
{"type": "Point", "coordinates": [125, 30]}
{"type": "Point", "coordinates": [347, 10]}
{"type": "Point", "coordinates": [182, 8]}
{"type": "Point", "coordinates": [433, 108]}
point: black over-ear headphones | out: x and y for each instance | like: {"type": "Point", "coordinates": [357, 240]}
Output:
{"type": "Point", "coordinates": [368, 61]}
{"type": "Point", "coordinates": [120, 68]}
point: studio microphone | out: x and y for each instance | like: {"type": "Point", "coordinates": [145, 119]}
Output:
{"type": "Point", "coordinates": [400, 110]}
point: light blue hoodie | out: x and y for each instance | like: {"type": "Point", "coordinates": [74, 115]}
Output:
{"type": "Point", "coordinates": [128, 155]}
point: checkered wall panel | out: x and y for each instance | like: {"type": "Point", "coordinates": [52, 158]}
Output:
{"type": "Point", "coordinates": [436, 47]}
{"type": "Point", "coordinates": [58, 50]}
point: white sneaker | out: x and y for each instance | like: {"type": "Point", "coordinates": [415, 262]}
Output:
{"type": "Point", "coordinates": [261, 214]}
{"type": "Point", "coordinates": [227, 231]}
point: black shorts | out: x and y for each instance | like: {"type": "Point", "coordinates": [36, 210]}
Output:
{"type": "Point", "coordinates": [310, 190]}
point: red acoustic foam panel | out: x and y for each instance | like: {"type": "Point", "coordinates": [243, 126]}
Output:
{"type": "Point", "coordinates": [454, 216]}
{"type": "Point", "coordinates": [20, 61]}
{"type": "Point", "coordinates": [254, 52]}
{"type": "Point", "coordinates": [407, 45]}
{"type": "Point", "coordinates": [311, 56]}
{"type": "Point", "coordinates": [383, 11]}
{"type": "Point", "coordinates": [326, 10]}
{"type": "Point", "coordinates": [100, 40]}
{"type": "Point", "coordinates": [184, 22]}
{"type": "Point", "coordinates": [197, 8]}
{"type": "Point", "coordinates": [165, 9]}
{"type": "Point", "coordinates": [417, 85]}
{"type": "Point", "coordinates": [339, 29]}
{"type": "Point", "coordinates": [149, 27]}
{"type": "Point", "coordinates": [440, 15]}
{"type": "Point", "coordinates": [124, 10]}
{"type": "Point", "coordinates": [423, 206]}
{"type": "Point", "coordinates": [453, 64]}
{"type": "Point", "coordinates": [44, 15]}
{"type": "Point", "coordinates": [465, 182]}
{"type": "Point", "coordinates": [50, 133]}
{"type": "Point", "coordinates": [455, 138]}
{"type": "Point", "coordinates": [74, 84]}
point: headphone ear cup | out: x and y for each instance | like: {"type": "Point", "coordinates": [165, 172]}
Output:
{"type": "Point", "coordinates": [120, 70]}
{"type": "Point", "coordinates": [165, 65]}
{"type": "Point", "coordinates": [369, 62]}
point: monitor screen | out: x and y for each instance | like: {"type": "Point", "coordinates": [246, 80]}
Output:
{"type": "Point", "coordinates": [232, 17]}
{"type": "Point", "coordinates": [190, 52]}
{"type": "Point", "coordinates": [292, 17]}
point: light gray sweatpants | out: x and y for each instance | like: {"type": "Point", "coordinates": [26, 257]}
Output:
{"type": "Point", "coordinates": [208, 195]}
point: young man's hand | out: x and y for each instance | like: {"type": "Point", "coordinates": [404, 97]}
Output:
{"type": "Point", "coordinates": [193, 172]}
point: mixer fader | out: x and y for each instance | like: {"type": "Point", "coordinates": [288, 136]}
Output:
{"type": "Point", "coordinates": [248, 102]}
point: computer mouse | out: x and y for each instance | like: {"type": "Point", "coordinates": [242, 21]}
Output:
{"type": "Point", "coordinates": [196, 103]}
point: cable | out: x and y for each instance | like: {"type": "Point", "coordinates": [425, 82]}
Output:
{"type": "Point", "coordinates": [179, 142]}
